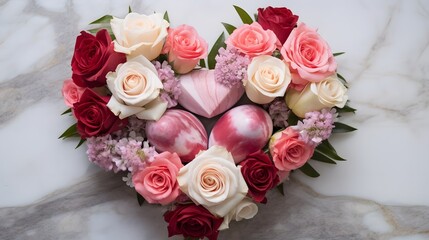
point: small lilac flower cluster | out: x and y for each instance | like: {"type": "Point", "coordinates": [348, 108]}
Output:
{"type": "Point", "coordinates": [124, 150]}
{"type": "Point", "coordinates": [317, 125]}
{"type": "Point", "coordinates": [231, 66]}
{"type": "Point", "coordinates": [279, 112]}
{"type": "Point", "coordinates": [171, 91]}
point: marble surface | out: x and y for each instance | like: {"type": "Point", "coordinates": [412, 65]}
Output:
{"type": "Point", "coordinates": [48, 190]}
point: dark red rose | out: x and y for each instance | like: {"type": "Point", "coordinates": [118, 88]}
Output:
{"type": "Point", "coordinates": [94, 118]}
{"type": "Point", "coordinates": [192, 221]}
{"type": "Point", "coordinates": [93, 58]}
{"type": "Point", "coordinates": [260, 175]}
{"type": "Point", "coordinates": [279, 20]}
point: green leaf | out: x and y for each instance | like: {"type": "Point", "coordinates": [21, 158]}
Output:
{"type": "Point", "coordinates": [140, 199]}
{"type": "Point", "coordinates": [129, 9]}
{"type": "Point", "coordinates": [202, 63]}
{"type": "Point", "coordinates": [281, 189]}
{"type": "Point", "coordinates": [325, 143]}
{"type": "Point", "coordinates": [103, 19]}
{"type": "Point", "coordinates": [166, 18]}
{"type": "Point", "coordinates": [329, 152]}
{"type": "Point", "coordinates": [292, 119]}
{"type": "Point", "coordinates": [308, 170]}
{"type": "Point", "coordinates": [245, 17]}
{"type": "Point", "coordinates": [229, 28]}
{"type": "Point", "coordinates": [71, 131]}
{"type": "Point", "coordinates": [346, 109]}
{"type": "Point", "coordinates": [94, 30]}
{"type": "Point", "coordinates": [342, 128]}
{"type": "Point", "coordinates": [80, 143]}
{"type": "Point", "coordinates": [338, 53]}
{"type": "Point", "coordinates": [191, 238]}
{"type": "Point", "coordinates": [211, 59]}
{"type": "Point", "coordinates": [342, 78]}
{"type": "Point", "coordinates": [66, 111]}
{"type": "Point", "coordinates": [322, 158]}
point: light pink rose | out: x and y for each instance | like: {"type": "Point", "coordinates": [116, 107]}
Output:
{"type": "Point", "coordinates": [253, 40]}
{"type": "Point", "coordinates": [185, 48]}
{"type": "Point", "coordinates": [308, 55]}
{"type": "Point", "coordinates": [288, 151]}
{"type": "Point", "coordinates": [71, 92]}
{"type": "Point", "coordinates": [157, 183]}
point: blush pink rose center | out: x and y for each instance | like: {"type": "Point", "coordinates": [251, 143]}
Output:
{"type": "Point", "coordinates": [308, 55]}
{"type": "Point", "coordinates": [288, 151]}
{"type": "Point", "coordinates": [185, 48]}
{"type": "Point", "coordinates": [71, 92]}
{"type": "Point", "coordinates": [157, 183]}
{"type": "Point", "coordinates": [253, 40]}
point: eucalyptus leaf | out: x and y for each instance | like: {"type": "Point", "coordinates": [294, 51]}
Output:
{"type": "Point", "coordinates": [166, 17]}
{"type": "Point", "coordinates": [245, 17]}
{"type": "Point", "coordinates": [338, 53]}
{"type": "Point", "coordinates": [308, 170]}
{"type": "Point", "coordinates": [211, 59]}
{"type": "Point", "coordinates": [342, 128]}
{"type": "Point", "coordinates": [229, 28]}
{"type": "Point", "coordinates": [322, 158]}
{"type": "Point", "coordinates": [202, 63]}
{"type": "Point", "coordinates": [281, 189]}
{"type": "Point", "coordinates": [80, 143]}
{"type": "Point", "coordinates": [140, 199]}
{"type": "Point", "coordinates": [103, 19]}
{"type": "Point", "coordinates": [66, 111]}
{"type": "Point", "coordinates": [71, 131]}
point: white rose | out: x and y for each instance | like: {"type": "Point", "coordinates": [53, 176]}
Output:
{"type": "Point", "coordinates": [135, 87]}
{"type": "Point", "coordinates": [327, 93]}
{"type": "Point", "coordinates": [139, 34]}
{"type": "Point", "coordinates": [214, 181]}
{"type": "Point", "coordinates": [268, 78]}
{"type": "Point", "coordinates": [246, 209]}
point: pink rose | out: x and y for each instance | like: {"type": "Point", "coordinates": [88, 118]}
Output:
{"type": "Point", "coordinates": [185, 48]}
{"type": "Point", "coordinates": [157, 183]}
{"type": "Point", "coordinates": [71, 92]}
{"type": "Point", "coordinates": [288, 151]}
{"type": "Point", "coordinates": [253, 40]}
{"type": "Point", "coordinates": [309, 57]}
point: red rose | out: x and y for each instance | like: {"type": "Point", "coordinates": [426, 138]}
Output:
{"type": "Point", "coordinates": [279, 20]}
{"type": "Point", "coordinates": [94, 118]}
{"type": "Point", "coordinates": [93, 58]}
{"type": "Point", "coordinates": [192, 221]}
{"type": "Point", "coordinates": [260, 175]}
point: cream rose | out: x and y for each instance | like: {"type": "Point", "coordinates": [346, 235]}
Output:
{"type": "Point", "coordinates": [214, 181]}
{"type": "Point", "coordinates": [246, 209]}
{"type": "Point", "coordinates": [139, 34]}
{"type": "Point", "coordinates": [327, 93]}
{"type": "Point", "coordinates": [135, 87]}
{"type": "Point", "coordinates": [268, 78]}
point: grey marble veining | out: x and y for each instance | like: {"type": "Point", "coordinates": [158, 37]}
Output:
{"type": "Point", "coordinates": [300, 214]}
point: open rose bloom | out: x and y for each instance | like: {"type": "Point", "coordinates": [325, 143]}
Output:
{"type": "Point", "coordinates": [143, 99]}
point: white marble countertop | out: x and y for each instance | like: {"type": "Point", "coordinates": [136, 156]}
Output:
{"type": "Point", "coordinates": [48, 190]}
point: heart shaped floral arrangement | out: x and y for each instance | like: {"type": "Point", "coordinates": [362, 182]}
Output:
{"type": "Point", "coordinates": [269, 94]}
